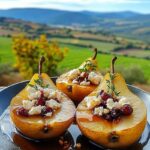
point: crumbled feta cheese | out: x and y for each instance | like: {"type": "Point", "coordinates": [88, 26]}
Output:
{"type": "Point", "coordinates": [59, 95]}
{"type": "Point", "coordinates": [117, 105]}
{"type": "Point", "coordinates": [82, 74]}
{"type": "Point", "coordinates": [30, 89]}
{"type": "Point", "coordinates": [94, 78]}
{"type": "Point", "coordinates": [84, 83]}
{"type": "Point", "coordinates": [123, 101]}
{"type": "Point", "coordinates": [74, 73]}
{"type": "Point", "coordinates": [99, 111]}
{"type": "Point", "coordinates": [46, 92]}
{"type": "Point", "coordinates": [34, 95]}
{"type": "Point", "coordinates": [106, 111]}
{"type": "Point", "coordinates": [39, 87]}
{"type": "Point", "coordinates": [75, 81]}
{"type": "Point", "coordinates": [53, 104]}
{"type": "Point", "coordinates": [36, 110]}
{"type": "Point", "coordinates": [110, 103]}
{"type": "Point", "coordinates": [49, 114]}
{"type": "Point", "coordinates": [27, 104]}
{"type": "Point", "coordinates": [92, 101]}
{"type": "Point", "coordinates": [52, 94]}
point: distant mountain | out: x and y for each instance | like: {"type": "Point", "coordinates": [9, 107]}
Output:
{"type": "Point", "coordinates": [62, 17]}
{"type": "Point", "coordinates": [116, 15]}
{"type": "Point", "coordinates": [125, 23]}
{"type": "Point", "coordinates": [48, 16]}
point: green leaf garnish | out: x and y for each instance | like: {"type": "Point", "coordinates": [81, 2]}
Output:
{"type": "Point", "coordinates": [39, 82]}
{"type": "Point", "coordinates": [88, 66]}
{"type": "Point", "coordinates": [111, 87]}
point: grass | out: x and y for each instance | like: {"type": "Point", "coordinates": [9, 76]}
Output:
{"type": "Point", "coordinates": [76, 55]}
{"type": "Point", "coordinates": [6, 54]}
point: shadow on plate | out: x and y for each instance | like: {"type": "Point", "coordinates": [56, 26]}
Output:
{"type": "Point", "coordinates": [52, 144]}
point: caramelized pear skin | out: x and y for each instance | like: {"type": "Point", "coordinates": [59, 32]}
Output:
{"type": "Point", "coordinates": [74, 91]}
{"type": "Point", "coordinates": [115, 134]}
{"type": "Point", "coordinates": [39, 127]}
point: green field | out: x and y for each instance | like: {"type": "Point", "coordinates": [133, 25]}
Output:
{"type": "Point", "coordinates": [76, 55]}
{"type": "Point", "coordinates": [102, 46]}
{"type": "Point", "coordinates": [137, 53]}
{"type": "Point", "coordinates": [6, 55]}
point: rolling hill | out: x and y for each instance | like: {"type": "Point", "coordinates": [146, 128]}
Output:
{"type": "Point", "coordinates": [106, 43]}
{"type": "Point", "coordinates": [120, 23]}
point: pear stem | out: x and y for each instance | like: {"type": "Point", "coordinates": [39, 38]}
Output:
{"type": "Point", "coordinates": [42, 59]}
{"type": "Point", "coordinates": [95, 54]}
{"type": "Point", "coordinates": [112, 65]}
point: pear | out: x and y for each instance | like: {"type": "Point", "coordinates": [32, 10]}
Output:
{"type": "Point", "coordinates": [101, 128]}
{"type": "Point", "coordinates": [73, 82]}
{"type": "Point", "coordinates": [46, 122]}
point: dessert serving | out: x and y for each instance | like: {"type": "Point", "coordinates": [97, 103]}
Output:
{"type": "Point", "coordinates": [112, 115]}
{"type": "Point", "coordinates": [81, 81]}
{"type": "Point", "coordinates": [40, 110]}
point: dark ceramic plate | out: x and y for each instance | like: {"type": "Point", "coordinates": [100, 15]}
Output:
{"type": "Point", "coordinates": [10, 139]}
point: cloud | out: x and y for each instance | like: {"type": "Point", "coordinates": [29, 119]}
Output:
{"type": "Point", "coordinates": [94, 5]}
{"type": "Point", "coordinates": [88, 2]}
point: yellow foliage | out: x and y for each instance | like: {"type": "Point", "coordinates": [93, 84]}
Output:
{"type": "Point", "coordinates": [28, 51]}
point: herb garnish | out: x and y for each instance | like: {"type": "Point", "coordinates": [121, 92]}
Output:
{"type": "Point", "coordinates": [110, 85]}
{"type": "Point", "coordinates": [88, 66]}
{"type": "Point", "coordinates": [39, 82]}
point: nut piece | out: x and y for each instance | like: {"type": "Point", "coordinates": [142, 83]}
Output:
{"type": "Point", "coordinates": [78, 146]}
{"type": "Point", "coordinates": [61, 142]}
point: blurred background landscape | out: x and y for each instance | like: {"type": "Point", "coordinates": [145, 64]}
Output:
{"type": "Point", "coordinates": [66, 33]}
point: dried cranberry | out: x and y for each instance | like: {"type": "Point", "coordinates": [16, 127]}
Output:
{"type": "Point", "coordinates": [85, 75]}
{"type": "Point", "coordinates": [46, 110]}
{"type": "Point", "coordinates": [115, 113]}
{"type": "Point", "coordinates": [115, 100]}
{"type": "Point", "coordinates": [69, 88]}
{"type": "Point", "coordinates": [42, 94]}
{"type": "Point", "coordinates": [103, 104]}
{"type": "Point", "coordinates": [126, 109]}
{"type": "Point", "coordinates": [80, 79]}
{"type": "Point", "coordinates": [105, 95]}
{"type": "Point", "coordinates": [23, 112]}
{"type": "Point", "coordinates": [101, 92]}
{"type": "Point", "coordinates": [108, 117]}
{"type": "Point", "coordinates": [41, 102]}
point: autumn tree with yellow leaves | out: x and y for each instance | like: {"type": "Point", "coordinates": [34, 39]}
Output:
{"type": "Point", "coordinates": [28, 51]}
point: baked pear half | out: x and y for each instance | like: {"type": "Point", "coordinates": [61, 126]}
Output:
{"type": "Point", "coordinates": [40, 110]}
{"type": "Point", "coordinates": [80, 82]}
{"type": "Point", "coordinates": [112, 116]}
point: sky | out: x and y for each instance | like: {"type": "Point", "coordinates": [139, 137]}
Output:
{"type": "Point", "coordinates": [142, 6]}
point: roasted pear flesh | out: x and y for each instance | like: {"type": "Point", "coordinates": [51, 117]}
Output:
{"type": "Point", "coordinates": [112, 115]}
{"type": "Point", "coordinates": [81, 81]}
{"type": "Point", "coordinates": [40, 110]}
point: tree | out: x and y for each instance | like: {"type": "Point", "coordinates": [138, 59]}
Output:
{"type": "Point", "coordinates": [29, 51]}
